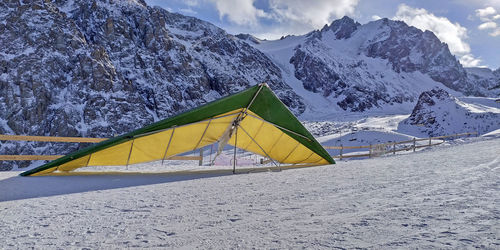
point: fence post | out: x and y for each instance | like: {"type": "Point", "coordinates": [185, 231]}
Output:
{"type": "Point", "coordinates": [341, 150]}
{"type": "Point", "coordinates": [210, 160]}
{"type": "Point", "coordinates": [414, 142]}
{"type": "Point", "coordinates": [200, 162]}
{"type": "Point", "coordinates": [394, 148]}
{"type": "Point", "coordinates": [370, 153]}
{"type": "Point", "coordinates": [430, 141]}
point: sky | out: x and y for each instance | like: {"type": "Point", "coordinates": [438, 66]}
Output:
{"type": "Point", "coordinates": [471, 28]}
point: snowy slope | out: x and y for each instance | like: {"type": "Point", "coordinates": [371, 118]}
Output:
{"type": "Point", "coordinates": [357, 131]}
{"type": "Point", "coordinates": [446, 197]}
{"type": "Point", "coordinates": [439, 113]}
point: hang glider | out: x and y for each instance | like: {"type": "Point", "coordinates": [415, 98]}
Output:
{"type": "Point", "coordinates": [254, 120]}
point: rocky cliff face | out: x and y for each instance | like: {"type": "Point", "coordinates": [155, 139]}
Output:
{"type": "Point", "coordinates": [101, 68]}
{"type": "Point", "coordinates": [439, 113]}
{"type": "Point", "coordinates": [485, 79]}
{"type": "Point", "coordinates": [342, 28]}
{"type": "Point", "coordinates": [409, 49]}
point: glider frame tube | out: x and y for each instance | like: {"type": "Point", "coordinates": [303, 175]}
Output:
{"type": "Point", "coordinates": [259, 146]}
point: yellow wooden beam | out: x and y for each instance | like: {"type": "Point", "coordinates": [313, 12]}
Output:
{"type": "Point", "coordinates": [29, 157]}
{"type": "Point", "coordinates": [49, 138]}
{"type": "Point", "coordinates": [53, 157]}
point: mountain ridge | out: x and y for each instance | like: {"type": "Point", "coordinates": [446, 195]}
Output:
{"type": "Point", "coordinates": [370, 66]}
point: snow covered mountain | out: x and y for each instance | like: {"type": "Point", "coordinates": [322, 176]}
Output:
{"type": "Point", "coordinates": [381, 65]}
{"type": "Point", "coordinates": [100, 68]}
{"type": "Point", "coordinates": [439, 113]}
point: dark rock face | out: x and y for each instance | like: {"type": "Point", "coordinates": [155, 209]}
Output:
{"type": "Point", "coordinates": [409, 49]}
{"type": "Point", "coordinates": [427, 100]}
{"type": "Point", "coordinates": [313, 71]}
{"type": "Point", "coordinates": [323, 68]}
{"type": "Point", "coordinates": [497, 72]}
{"type": "Point", "coordinates": [320, 75]}
{"type": "Point", "coordinates": [101, 68]}
{"type": "Point", "coordinates": [342, 28]}
{"type": "Point", "coordinates": [438, 113]}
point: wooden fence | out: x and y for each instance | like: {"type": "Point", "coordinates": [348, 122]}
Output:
{"type": "Point", "coordinates": [390, 147]}
{"type": "Point", "coordinates": [68, 139]}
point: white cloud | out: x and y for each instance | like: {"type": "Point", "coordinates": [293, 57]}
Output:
{"type": "Point", "coordinates": [241, 12]}
{"type": "Point", "coordinates": [469, 60]}
{"type": "Point", "coordinates": [312, 13]}
{"type": "Point", "coordinates": [487, 25]}
{"type": "Point", "coordinates": [376, 17]}
{"type": "Point", "coordinates": [490, 20]}
{"type": "Point", "coordinates": [496, 32]}
{"type": "Point", "coordinates": [288, 16]}
{"type": "Point", "coordinates": [484, 13]}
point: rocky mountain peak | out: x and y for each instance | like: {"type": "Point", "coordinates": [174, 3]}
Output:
{"type": "Point", "coordinates": [406, 48]}
{"type": "Point", "coordinates": [343, 61]}
{"type": "Point", "coordinates": [409, 49]}
{"type": "Point", "coordinates": [430, 98]}
{"type": "Point", "coordinates": [342, 28]}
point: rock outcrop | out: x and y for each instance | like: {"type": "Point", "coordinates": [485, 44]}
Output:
{"type": "Point", "coordinates": [439, 113]}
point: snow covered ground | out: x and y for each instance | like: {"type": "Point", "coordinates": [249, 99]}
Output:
{"type": "Point", "coordinates": [444, 197]}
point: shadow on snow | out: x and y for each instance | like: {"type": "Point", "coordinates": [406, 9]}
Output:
{"type": "Point", "coordinates": [18, 188]}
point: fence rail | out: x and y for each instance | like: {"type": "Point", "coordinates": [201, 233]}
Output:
{"type": "Point", "coordinates": [29, 157]}
{"type": "Point", "coordinates": [50, 138]}
{"type": "Point", "coordinates": [393, 146]}
{"type": "Point", "coordinates": [54, 157]}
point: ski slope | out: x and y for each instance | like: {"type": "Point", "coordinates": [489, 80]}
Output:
{"type": "Point", "coordinates": [444, 197]}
